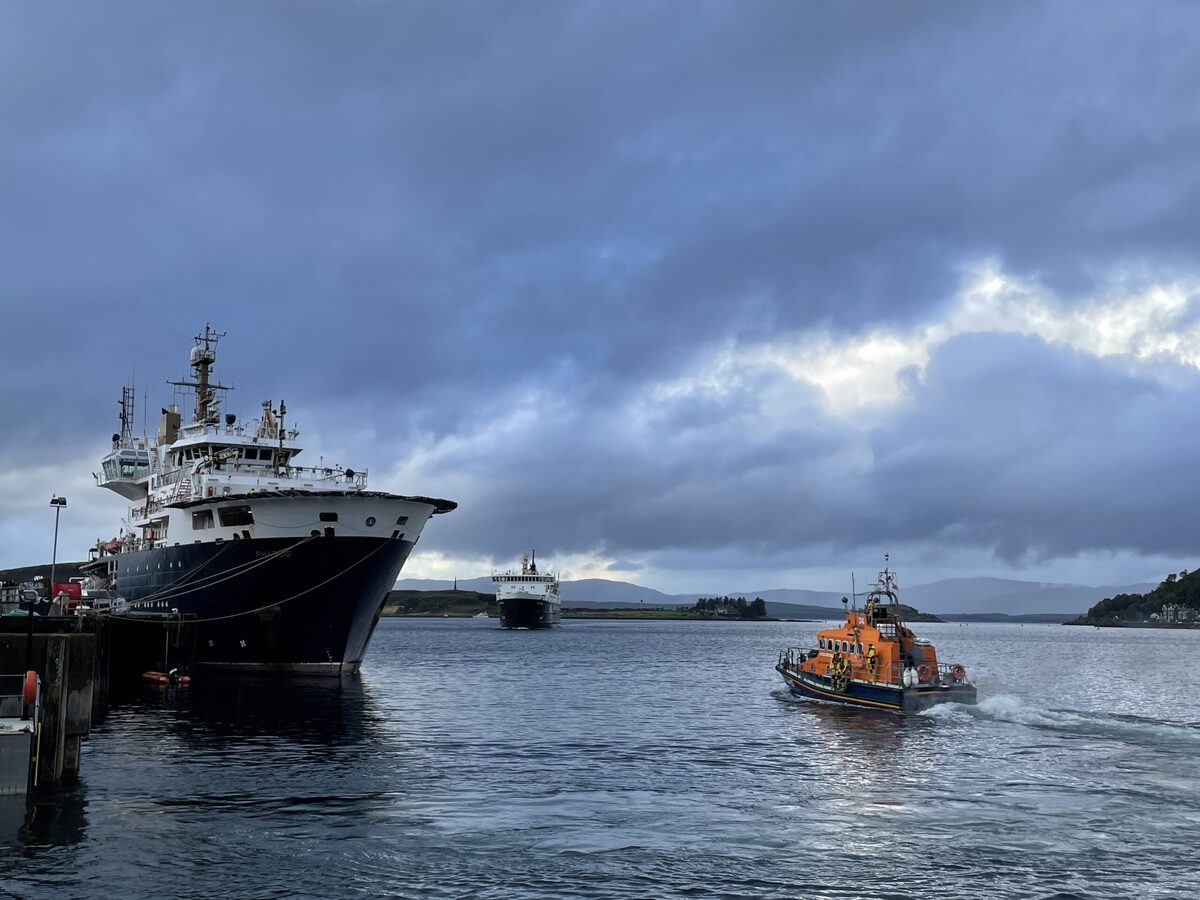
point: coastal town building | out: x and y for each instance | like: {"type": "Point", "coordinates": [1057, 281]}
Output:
{"type": "Point", "coordinates": [1178, 613]}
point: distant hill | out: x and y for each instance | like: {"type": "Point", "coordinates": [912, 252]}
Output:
{"type": "Point", "coordinates": [63, 571]}
{"type": "Point", "coordinates": [954, 596]}
{"type": "Point", "coordinates": [439, 603]}
{"type": "Point", "coordinates": [1004, 595]}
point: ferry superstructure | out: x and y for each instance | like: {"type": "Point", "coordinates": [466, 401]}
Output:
{"type": "Point", "coordinates": [528, 598]}
{"type": "Point", "coordinates": [283, 567]}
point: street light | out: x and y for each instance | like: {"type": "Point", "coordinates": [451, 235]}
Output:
{"type": "Point", "coordinates": [58, 503]}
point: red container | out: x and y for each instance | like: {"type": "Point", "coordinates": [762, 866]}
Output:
{"type": "Point", "coordinates": [72, 589]}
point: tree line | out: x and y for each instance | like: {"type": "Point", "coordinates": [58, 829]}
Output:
{"type": "Point", "coordinates": [733, 607]}
{"type": "Point", "coordinates": [1182, 589]}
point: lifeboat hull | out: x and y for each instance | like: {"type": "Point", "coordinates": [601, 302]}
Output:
{"type": "Point", "coordinates": [873, 695]}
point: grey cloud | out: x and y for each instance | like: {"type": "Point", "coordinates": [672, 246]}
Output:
{"type": "Point", "coordinates": [413, 215]}
{"type": "Point", "coordinates": [1006, 446]}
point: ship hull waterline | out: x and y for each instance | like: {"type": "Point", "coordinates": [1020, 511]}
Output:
{"type": "Point", "coordinates": [528, 612]}
{"type": "Point", "coordinates": [869, 695]}
{"type": "Point", "coordinates": [270, 604]}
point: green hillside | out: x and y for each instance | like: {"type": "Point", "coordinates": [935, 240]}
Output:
{"type": "Point", "coordinates": [1182, 589]}
{"type": "Point", "coordinates": [439, 603]}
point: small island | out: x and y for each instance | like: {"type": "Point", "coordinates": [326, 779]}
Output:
{"type": "Point", "coordinates": [466, 604]}
{"type": "Point", "coordinates": [726, 608]}
{"type": "Point", "coordinates": [1173, 604]}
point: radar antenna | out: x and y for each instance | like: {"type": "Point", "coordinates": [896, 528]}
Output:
{"type": "Point", "coordinates": [202, 358]}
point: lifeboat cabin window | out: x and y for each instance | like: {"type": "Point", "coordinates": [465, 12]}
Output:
{"type": "Point", "coordinates": [202, 518]}
{"type": "Point", "coordinates": [328, 517]}
{"type": "Point", "coordinates": [235, 516]}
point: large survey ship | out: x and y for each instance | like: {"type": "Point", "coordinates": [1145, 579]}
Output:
{"type": "Point", "coordinates": [281, 567]}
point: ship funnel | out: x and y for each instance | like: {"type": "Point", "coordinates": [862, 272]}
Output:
{"type": "Point", "coordinates": [168, 425]}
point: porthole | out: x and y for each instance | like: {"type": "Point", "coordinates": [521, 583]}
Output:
{"type": "Point", "coordinates": [370, 521]}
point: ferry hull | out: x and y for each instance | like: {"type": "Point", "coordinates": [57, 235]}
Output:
{"type": "Point", "coordinates": [868, 695]}
{"type": "Point", "coordinates": [528, 612]}
{"type": "Point", "coordinates": [270, 604]}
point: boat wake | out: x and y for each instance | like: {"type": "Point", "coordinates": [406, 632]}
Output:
{"type": "Point", "coordinates": [1082, 723]}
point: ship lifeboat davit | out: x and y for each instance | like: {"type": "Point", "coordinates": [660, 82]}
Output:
{"type": "Point", "coordinates": [873, 660]}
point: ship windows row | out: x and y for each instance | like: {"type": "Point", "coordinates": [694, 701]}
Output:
{"type": "Point", "coordinates": [204, 452]}
{"type": "Point", "coordinates": [843, 646]}
{"type": "Point", "coordinates": [231, 517]}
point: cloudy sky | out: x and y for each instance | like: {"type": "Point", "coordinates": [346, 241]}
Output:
{"type": "Point", "coordinates": [699, 295]}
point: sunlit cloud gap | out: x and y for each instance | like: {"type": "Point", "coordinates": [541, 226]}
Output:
{"type": "Point", "coordinates": [864, 370]}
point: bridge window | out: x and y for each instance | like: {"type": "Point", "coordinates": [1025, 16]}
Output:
{"type": "Point", "coordinates": [235, 516]}
{"type": "Point", "coordinates": [202, 518]}
{"type": "Point", "coordinates": [403, 520]}
{"type": "Point", "coordinates": [329, 517]}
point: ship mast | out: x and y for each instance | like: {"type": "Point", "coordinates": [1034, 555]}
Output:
{"type": "Point", "coordinates": [126, 404]}
{"type": "Point", "coordinates": [202, 358]}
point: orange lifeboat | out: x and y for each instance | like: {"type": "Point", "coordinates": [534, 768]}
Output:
{"type": "Point", "coordinates": [873, 660]}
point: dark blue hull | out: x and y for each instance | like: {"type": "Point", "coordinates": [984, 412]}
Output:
{"type": "Point", "coordinates": [521, 612]}
{"type": "Point", "coordinates": [270, 604]}
{"type": "Point", "coordinates": [891, 698]}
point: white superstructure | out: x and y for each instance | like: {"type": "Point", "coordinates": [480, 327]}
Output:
{"type": "Point", "coordinates": [250, 465]}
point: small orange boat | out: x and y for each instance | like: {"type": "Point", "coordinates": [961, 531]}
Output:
{"type": "Point", "coordinates": [874, 660]}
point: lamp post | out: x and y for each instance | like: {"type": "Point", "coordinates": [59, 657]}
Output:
{"type": "Point", "coordinates": [58, 503]}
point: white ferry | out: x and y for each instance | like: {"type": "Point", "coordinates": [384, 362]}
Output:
{"type": "Point", "coordinates": [527, 599]}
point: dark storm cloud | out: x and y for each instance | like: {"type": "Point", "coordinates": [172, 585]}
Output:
{"type": "Point", "coordinates": [1006, 444]}
{"type": "Point", "coordinates": [1041, 452]}
{"type": "Point", "coordinates": [414, 215]}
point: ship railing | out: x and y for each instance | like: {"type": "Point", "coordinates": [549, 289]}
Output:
{"type": "Point", "coordinates": [942, 674]}
{"type": "Point", "coordinates": [307, 476]}
{"type": "Point", "coordinates": [239, 475]}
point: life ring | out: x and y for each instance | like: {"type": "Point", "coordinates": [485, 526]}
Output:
{"type": "Point", "coordinates": [29, 688]}
{"type": "Point", "coordinates": [923, 672]}
{"type": "Point", "coordinates": [957, 672]}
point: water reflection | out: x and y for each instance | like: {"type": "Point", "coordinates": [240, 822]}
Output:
{"type": "Point", "coordinates": [52, 818]}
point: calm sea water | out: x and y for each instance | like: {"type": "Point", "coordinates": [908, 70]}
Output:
{"type": "Point", "coordinates": [639, 759]}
